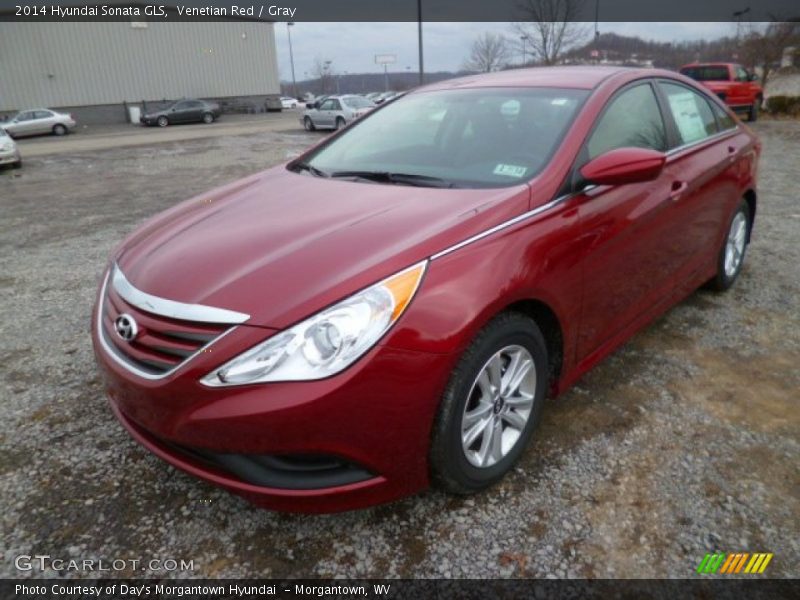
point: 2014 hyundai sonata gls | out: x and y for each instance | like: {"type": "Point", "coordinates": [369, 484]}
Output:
{"type": "Point", "coordinates": [390, 309]}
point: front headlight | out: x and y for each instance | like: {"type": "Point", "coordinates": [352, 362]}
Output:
{"type": "Point", "coordinates": [328, 342]}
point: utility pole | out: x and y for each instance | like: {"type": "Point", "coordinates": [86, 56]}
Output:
{"type": "Point", "coordinates": [419, 37]}
{"type": "Point", "coordinates": [289, 26]}
{"type": "Point", "coordinates": [524, 39]}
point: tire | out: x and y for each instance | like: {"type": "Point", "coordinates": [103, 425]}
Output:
{"type": "Point", "coordinates": [17, 165]}
{"type": "Point", "coordinates": [733, 249]}
{"type": "Point", "coordinates": [340, 123]}
{"type": "Point", "coordinates": [208, 118]}
{"type": "Point", "coordinates": [162, 121]}
{"type": "Point", "coordinates": [59, 129]}
{"type": "Point", "coordinates": [454, 460]}
{"type": "Point", "coordinates": [752, 114]}
{"type": "Point", "coordinates": [309, 124]}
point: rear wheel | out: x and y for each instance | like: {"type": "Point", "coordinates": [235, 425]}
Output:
{"type": "Point", "coordinates": [308, 124]}
{"type": "Point", "coordinates": [491, 405]}
{"type": "Point", "coordinates": [162, 121]}
{"type": "Point", "coordinates": [752, 114]}
{"type": "Point", "coordinates": [340, 122]}
{"type": "Point", "coordinates": [59, 129]}
{"type": "Point", "coordinates": [208, 118]}
{"type": "Point", "coordinates": [731, 256]}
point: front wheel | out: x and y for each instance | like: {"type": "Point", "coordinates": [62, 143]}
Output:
{"type": "Point", "coordinates": [162, 121]}
{"type": "Point", "coordinates": [491, 405]}
{"type": "Point", "coordinates": [208, 118]}
{"type": "Point", "coordinates": [731, 256]}
{"type": "Point", "coordinates": [308, 124]}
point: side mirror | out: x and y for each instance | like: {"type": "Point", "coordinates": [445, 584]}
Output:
{"type": "Point", "coordinates": [624, 165]}
{"type": "Point", "coordinates": [753, 77]}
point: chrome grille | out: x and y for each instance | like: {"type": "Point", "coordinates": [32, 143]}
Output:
{"type": "Point", "coordinates": [164, 340]}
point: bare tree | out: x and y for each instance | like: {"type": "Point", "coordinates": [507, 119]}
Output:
{"type": "Point", "coordinates": [489, 52]}
{"type": "Point", "coordinates": [549, 27]}
{"type": "Point", "coordinates": [323, 72]}
{"type": "Point", "coordinates": [763, 46]}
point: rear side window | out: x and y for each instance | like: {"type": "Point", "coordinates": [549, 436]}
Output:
{"type": "Point", "coordinates": [707, 73]}
{"type": "Point", "coordinates": [724, 120]}
{"type": "Point", "coordinates": [691, 112]}
{"type": "Point", "coordinates": [632, 119]}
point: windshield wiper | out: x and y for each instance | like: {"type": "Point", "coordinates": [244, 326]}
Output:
{"type": "Point", "coordinates": [397, 178]}
{"type": "Point", "coordinates": [304, 166]}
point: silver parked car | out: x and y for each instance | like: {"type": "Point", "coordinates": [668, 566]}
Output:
{"type": "Point", "coordinates": [334, 112]}
{"type": "Point", "coordinates": [39, 120]}
{"type": "Point", "coordinates": [9, 153]}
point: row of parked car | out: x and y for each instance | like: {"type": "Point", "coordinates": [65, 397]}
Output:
{"type": "Point", "coordinates": [730, 81]}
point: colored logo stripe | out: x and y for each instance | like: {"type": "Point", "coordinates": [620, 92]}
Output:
{"type": "Point", "coordinates": [734, 562]}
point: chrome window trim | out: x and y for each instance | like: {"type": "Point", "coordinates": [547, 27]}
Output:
{"type": "Point", "coordinates": [504, 225]}
{"type": "Point", "coordinates": [717, 136]}
{"type": "Point", "coordinates": [115, 355]}
{"type": "Point", "coordinates": [198, 313]}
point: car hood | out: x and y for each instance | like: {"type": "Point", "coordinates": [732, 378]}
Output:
{"type": "Point", "coordinates": [280, 246]}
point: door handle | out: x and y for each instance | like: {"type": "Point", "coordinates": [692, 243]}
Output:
{"type": "Point", "coordinates": [678, 187]}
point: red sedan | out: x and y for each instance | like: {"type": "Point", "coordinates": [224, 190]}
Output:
{"type": "Point", "coordinates": [391, 309]}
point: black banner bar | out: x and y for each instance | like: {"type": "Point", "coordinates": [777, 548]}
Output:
{"type": "Point", "coordinates": [402, 10]}
{"type": "Point", "coordinates": [733, 588]}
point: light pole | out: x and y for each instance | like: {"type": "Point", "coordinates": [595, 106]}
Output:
{"type": "Point", "coordinates": [738, 16]}
{"type": "Point", "coordinates": [289, 26]}
{"type": "Point", "coordinates": [524, 39]}
{"type": "Point", "coordinates": [327, 72]}
{"type": "Point", "coordinates": [419, 42]}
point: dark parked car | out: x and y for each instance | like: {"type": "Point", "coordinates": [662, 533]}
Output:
{"type": "Point", "coordinates": [390, 309]}
{"type": "Point", "coordinates": [183, 111]}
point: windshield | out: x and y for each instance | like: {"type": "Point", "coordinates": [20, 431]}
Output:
{"type": "Point", "coordinates": [486, 137]}
{"type": "Point", "coordinates": [358, 102]}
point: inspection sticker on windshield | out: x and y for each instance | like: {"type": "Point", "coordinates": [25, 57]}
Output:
{"type": "Point", "coordinates": [510, 170]}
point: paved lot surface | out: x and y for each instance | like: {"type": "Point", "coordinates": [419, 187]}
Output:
{"type": "Point", "coordinates": [683, 442]}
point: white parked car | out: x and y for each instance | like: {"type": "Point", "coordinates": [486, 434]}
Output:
{"type": "Point", "coordinates": [39, 120]}
{"type": "Point", "coordinates": [334, 112]}
{"type": "Point", "coordinates": [9, 152]}
{"type": "Point", "coordinates": [287, 102]}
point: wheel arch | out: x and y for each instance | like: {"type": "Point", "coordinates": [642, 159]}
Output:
{"type": "Point", "coordinates": [549, 324]}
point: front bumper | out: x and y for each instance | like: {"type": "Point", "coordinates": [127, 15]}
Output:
{"type": "Point", "coordinates": [377, 416]}
{"type": "Point", "coordinates": [9, 156]}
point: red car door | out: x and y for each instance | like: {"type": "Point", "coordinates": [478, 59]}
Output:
{"type": "Point", "coordinates": [741, 87]}
{"type": "Point", "coordinates": [701, 169]}
{"type": "Point", "coordinates": [627, 267]}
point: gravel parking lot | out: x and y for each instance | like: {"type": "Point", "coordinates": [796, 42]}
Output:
{"type": "Point", "coordinates": [683, 442]}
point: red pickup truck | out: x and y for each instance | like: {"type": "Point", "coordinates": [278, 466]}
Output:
{"type": "Point", "coordinates": [731, 82]}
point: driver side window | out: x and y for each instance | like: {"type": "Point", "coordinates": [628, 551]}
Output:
{"type": "Point", "coordinates": [633, 119]}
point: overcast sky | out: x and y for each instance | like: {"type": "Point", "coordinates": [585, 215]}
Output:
{"type": "Point", "coordinates": [352, 46]}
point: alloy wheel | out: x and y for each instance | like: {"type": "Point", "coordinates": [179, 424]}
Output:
{"type": "Point", "coordinates": [734, 247]}
{"type": "Point", "coordinates": [498, 407]}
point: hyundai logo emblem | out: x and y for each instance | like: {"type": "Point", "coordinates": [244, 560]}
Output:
{"type": "Point", "coordinates": [126, 328]}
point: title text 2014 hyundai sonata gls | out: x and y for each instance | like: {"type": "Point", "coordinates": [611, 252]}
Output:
{"type": "Point", "coordinates": [390, 309]}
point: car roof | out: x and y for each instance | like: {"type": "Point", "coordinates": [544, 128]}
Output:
{"type": "Point", "coordinates": [583, 77]}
